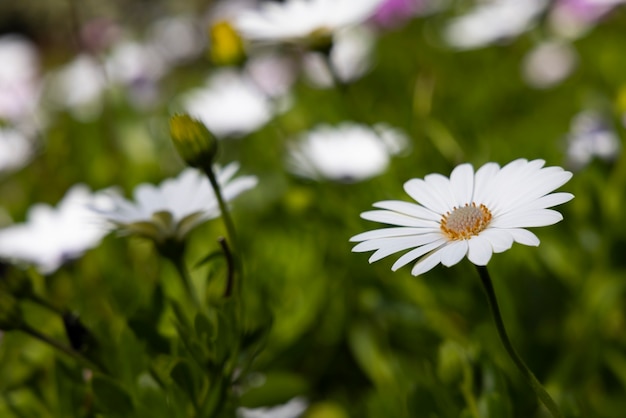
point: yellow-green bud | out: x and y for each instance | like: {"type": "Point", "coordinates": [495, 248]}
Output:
{"type": "Point", "coordinates": [226, 45]}
{"type": "Point", "coordinates": [193, 141]}
{"type": "Point", "coordinates": [320, 40]}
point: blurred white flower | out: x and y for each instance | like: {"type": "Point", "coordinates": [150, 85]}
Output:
{"type": "Point", "coordinates": [493, 21]}
{"type": "Point", "coordinates": [347, 153]}
{"type": "Point", "coordinates": [177, 39]}
{"type": "Point", "coordinates": [292, 409]}
{"type": "Point", "coordinates": [79, 87]}
{"type": "Point", "coordinates": [230, 104]}
{"type": "Point", "coordinates": [137, 67]}
{"type": "Point", "coordinates": [52, 236]}
{"type": "Point", "coordinates": [549, 63]}
{"type": "Point", "coordinates": [301, 21]}
{"type": "Point", "coordinates": [20, 84]}
{"type": "Point", "coordinates": [350, 56]}
{"type": "Point", "coordinates": [273, 73]}
{"type": "Point", "coordinates": [172, 209]}
{"type": "Point", "coordinates": [590, 136]}
{"type": "Point", "coordinates": [16, 149]}
{"type": "Point", "coordinates": [474, 214]}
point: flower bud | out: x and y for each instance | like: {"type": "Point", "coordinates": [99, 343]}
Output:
{"type": "Point", "coordinates": [226, 45]}
{"type": "Point", "coordinates": [193, 141]}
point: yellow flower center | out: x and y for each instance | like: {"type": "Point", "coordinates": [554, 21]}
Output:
{"type": "Point", "coordinates": [466, 221]}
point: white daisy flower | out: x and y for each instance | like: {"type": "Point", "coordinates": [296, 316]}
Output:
{"type": "Point", "coordinates": [52, 236]}
{"type": "Point", "coordinates": [349, 152]}
{"type": "Point", "coordinates": [292, 409]}
{"type": "Point", "coordinates": [549, 63]}
{"type": "Point", "coordinates": [493, 21]}
{"type": "Point", "coordinates": [172, 209]}
{"type": "Point", "coordinates": [351, 58]}
{"type": "Point", "coordinates": [15, 149]}
{"type": "Point", "coordinates": [229, 105]}
{"type": "Point", "coordinates": [20, 84]}
{"type": "Point", "coordinates": [302, 21]}
{"type": "Point", "coordinates": [471, 213]}
{"type": "Point", "coordinates": [591, 136]}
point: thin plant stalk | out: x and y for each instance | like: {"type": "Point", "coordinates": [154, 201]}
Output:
{"type": "Point", "coordinates": [228, 221]}
{"type": "Point", "coordinates": [541, 392]}
{"type": "Point", "coordinates": [185, 277]}
{"type": "Point", "coordinates": [61, 347]}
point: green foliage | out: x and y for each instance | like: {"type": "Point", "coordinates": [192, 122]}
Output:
{"type": "Point", "coordinates": [308, 317]}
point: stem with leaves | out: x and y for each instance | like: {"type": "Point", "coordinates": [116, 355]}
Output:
{"type": "Point", "coordinates": [541, 392]}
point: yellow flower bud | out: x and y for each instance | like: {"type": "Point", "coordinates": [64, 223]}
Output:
{"type": "Point", "coordinates": [193, 141]}
{"type": "Point", "coordinates": [226, 44]}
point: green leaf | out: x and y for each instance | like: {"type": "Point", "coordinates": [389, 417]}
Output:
{"type": "Point", "coordinates": [279, 387]}
{"type": "Point", "coordinates": [111, 397]}
{"type": "Point", "coordinates": [205, 330]}
{"type": "Point", "coordinates": [182, 373]}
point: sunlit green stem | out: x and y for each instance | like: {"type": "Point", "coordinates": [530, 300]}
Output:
{"type": "Point", "coordinates": [61, 347]}
{"type": "Point", "coordinates": [526, 372]}
{"type": "Point", "coordinates": [230, 263]}
{"type": "Point", "coordinates": [185, 277]}
{"type": "Point", "coordinates": [228, 221]}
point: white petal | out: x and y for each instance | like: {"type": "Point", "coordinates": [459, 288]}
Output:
{"type": "Point", "coordinates": [524, 237]}
{"type": "Point", "coordinates": [394, 247]}
{"type": "Point", "coordinates": [416, 253]}
{"type": "Point", "coordinates": [533, 218]}
{"type": "Point", "coordinates": [453, 253]}
{"type": "Point", "coordinates": [395, 244]}
{"type": "Point", "coordinates": [388, 233]}
{"type": "Point", "coordinates": [546, 201]}
{"type": "Point", "coordinates": [483, 182]}
{"type": "Point", "coordinates": [424, 194]}
{"type": "Point", "coordinates": [480, 251]}
{"type": "Point", "coordinates": [393, 218]}
{"type": "Point", "coordinates": [442, 185]}
{"type": "Point", "coordinates": [462, 183]}
{"type": "Point", "coordinates": [426, 263]}
{"type": "Point", "coordinates": [408, 208]}
{"type": "Point", "coordinates": [500, 239]}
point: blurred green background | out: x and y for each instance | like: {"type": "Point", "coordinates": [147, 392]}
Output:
{"type": "Point", "coordinates": [356, 340]}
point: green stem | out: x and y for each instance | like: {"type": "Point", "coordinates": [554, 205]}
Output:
{"type": "Point", "coordinates": [42, 302]}
{"type": "Point", "coordinates": [228, 221]}
{"type": "Point", "coordinates": [230, 263]}
{"type": "Point", "coordinates": [526, 372]}
{"type": "Point", "coordinates": [60, 346]}
{"type": "Point", "coordinates": [179, 264]}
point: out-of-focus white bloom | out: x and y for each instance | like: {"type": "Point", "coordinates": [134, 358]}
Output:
{"type": "Point", "coordinates": [15, 149]}
{"type": "Point", "coordinates": [20, 84]}
{"type": "Point", "coordinates": [230, 104]}
{"type": "Point", "coordinates": [292, 409]}
{"type": "Point", "coordinates": [172, 209]}
{"type": "Point", "coordinates": [548, 64]}
{"type": "Point", "coordinates": [473, 214]}
{"type": "Point", "coordinates": [492, 22]}
{"type": "Point", "coordinates": [52, 236]}
{"type": "Point", "coordinates": [177, 39]}
{"type": "Point", "coordinates": [79, 86]}
{"type": "Point", "coordinates": [301, 21]}
{"type": "Point", "coordinates": [350, 56]}
{"type": "Point", "coordinates": [573, 18]}
{"type": "Point", "coordinates": [590, 136]}
{"type": "Point", "coordinates": [138, 67]}
{"type": "Point", "coordinates": [274, 74]}
{"type": "Point", "coordinates": [347, 153]}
